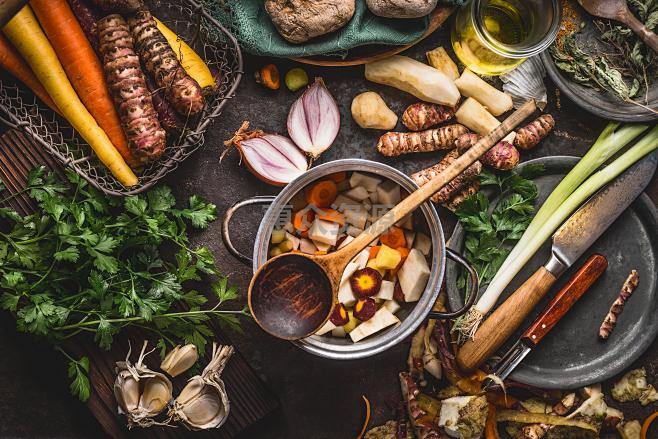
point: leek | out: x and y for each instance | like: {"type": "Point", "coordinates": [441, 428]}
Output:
{"type": "Point", "coordinates": [572, 191]}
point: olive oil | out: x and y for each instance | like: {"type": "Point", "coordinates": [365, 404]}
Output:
{"type": "Point", "coordinates": [484, 35]}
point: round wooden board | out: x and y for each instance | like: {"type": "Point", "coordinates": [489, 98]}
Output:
{"type": "Point", "coordinates": [437, 18]}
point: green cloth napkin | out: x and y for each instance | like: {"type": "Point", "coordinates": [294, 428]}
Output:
{"type": "Point", "coordinates": [251, 25]}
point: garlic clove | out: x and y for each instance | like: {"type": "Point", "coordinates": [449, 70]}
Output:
{"type": "Point", "coordinates": [207, 410]}
{"type": "Point", "coordinates": [180, 359]}
{"type": "Point", "coordinates": [191, 390]}
{"type": "Point", "coordinates": [126, 392]}
{"type": "Point", "coordinates": [156, 395]}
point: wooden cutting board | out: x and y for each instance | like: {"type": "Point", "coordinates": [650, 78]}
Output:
{"type": "Point", "coordinates": [250, 398]}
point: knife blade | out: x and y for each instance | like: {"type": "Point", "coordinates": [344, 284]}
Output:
{"type": "Point", "coordinates": [558, 307]}
{"type": "Point", "coordinates": [570, 241]}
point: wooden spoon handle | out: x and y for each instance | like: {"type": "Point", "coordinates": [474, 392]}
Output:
{"type": "Point", "coordinates": [502, 323]}
{"type": "Point", "coordinates": [649, 37]}
{"type": "Point", "coordinates": [418, 197]}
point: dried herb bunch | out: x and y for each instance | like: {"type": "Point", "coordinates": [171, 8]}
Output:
{"type": "Point", "coordinates": [85, 263]}
{"type": "Point", "coordinates": [624, 66]}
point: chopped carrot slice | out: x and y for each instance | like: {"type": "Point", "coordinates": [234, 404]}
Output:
{"type": "Point", "coordinates": [322, 194]}
{"type": "Point", "coordinates": [331, 215]}
{"type": "Point", "coordinates": [337, 177]}
{"type": "Point", "coordinates": [302, 220]}
{"type": "Point", "coordinates": [373, 252]}
{"type": "Point", "coordinates": [394, 237]}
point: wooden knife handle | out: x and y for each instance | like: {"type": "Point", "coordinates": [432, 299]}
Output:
{"type": "Point", "coordinates": [566, 297]}
{"type": "Point", "coordinates": [502, 323]}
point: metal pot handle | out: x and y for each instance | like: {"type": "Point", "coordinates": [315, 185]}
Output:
{"type": "Point", "coordinates": [473, 290]}
{"type": "Point", "coordinates": [226, 235]}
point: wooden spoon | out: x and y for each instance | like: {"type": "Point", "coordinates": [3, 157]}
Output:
{"type": "Point", "coordinates": [292, 295]}
{"type": "Point", "coordinates": [618, 10]}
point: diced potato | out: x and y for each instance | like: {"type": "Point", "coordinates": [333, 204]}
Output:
{"type": "Point", "coordinates": [328, 327]}
{"type": "Point", "coordinates": [353, 323]}
{"type": "Point", "coordinates": [354, 231]}
{"type": "Point", "coordinates": [358, 193]}
{"type": "Point", "coordinates": [339, 332]}
{"type": "Point", "coordinates": [374, 198]}
{"type": "Point", "coordinates": [294, 240]}
{"type": "Point", "coordinates": [424, 82]}
{"type": "Point", "coordinates": [382, 319]}
{"type": "Point", "coordinates": [440, 60]}
{"type": "Point", "coordinates": [392, 306]}
{"type": "Point", "coordinates": [409, 236]}
{"type": "Point", "coordinates": [307, 246]}
{"type": "Point", "coordinates": [321, 246]}
{"type": "Point", "coordinates": [373, 264]}
{"type": "Point", "coordinates": [356, 217]}
{"type": "Point", "coordinates": [369, 182]}
{"type": "Point", "coordinates": [345, 294]}
{"type": "Point", "coordinates": [278, 235]}
{"type": "Point", "coordinates": [494, 100]}
{"type": "Point", "coordinates": [343, 203]}
{"type": "Point", "coordinates": [474, 116]}
{"type": "Point", "coordinates": [385, 291]}
{"type": "Point", "coordinates": [388, 193]}
{"type": "Point", "coordinates": [423, 243]}
{"type": "Point", "coordinates": [387, 258]}
{"type": "Point", "coordinates": [346, 241]}
{"type": "Point", "coordinates": [413, 275]}
{"type": "Point", "coordinates": [324, 231]}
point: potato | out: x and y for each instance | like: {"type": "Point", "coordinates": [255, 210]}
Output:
{"type": "Point", "coordinates": [472, 86]}
{"type": "Point", "coordinates": [370, 111]}
{"type": "Point", "coordinates": [475, 117]}
{"type": "Point", "coordinates": [414, 77]}
{"type": "Point", "coordinates": [440, 60]}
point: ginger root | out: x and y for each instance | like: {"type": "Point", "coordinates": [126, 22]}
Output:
{"type": "Point", "coordinates": [394, 144]}
{"type": "Point", "coordinates": [370, 111]}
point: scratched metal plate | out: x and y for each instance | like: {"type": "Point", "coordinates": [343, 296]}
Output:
{"type": "Point", "coordinates": [571, 355]}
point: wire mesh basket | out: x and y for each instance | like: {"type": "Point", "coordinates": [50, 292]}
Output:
{"type": "Point", "coordinates": [193, 24]}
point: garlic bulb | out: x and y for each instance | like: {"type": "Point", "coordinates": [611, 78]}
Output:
{"type": "Point", "coordinates": [526, 81]}
{"type": "Point", "coordinates": [203, 403]}
{"type": "Point", "coordinates": [180, 359]}
{"type": "Point", "coordinates": [141, 393]}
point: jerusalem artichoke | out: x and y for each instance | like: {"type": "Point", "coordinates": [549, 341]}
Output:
{"type": "Point", "coordinates": [120, 6]}
{"type": "Point", "coordinates": [423, 115]}
{"type": "Point", "coordinates": [618, 305]}
{"type": "Point", "coordinates": [454, 187]}
{"type": "Point", "coordinates": [530, 135]}
{"type": "Point", "coordinates": [503, 156]}
{"type": "Point", "coordinates": [161, 61]}
{"type": "Point", "coordinates": [394, 144]}
{"type": "Point", "coordinates": [460, 197]}
{"type": "Point", "coordinates": [127, 84]}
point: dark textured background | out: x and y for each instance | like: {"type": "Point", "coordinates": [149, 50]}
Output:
{"type": "Point", "coordinates": [319, 398]}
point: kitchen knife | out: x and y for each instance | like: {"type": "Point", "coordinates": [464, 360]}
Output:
{"type": "Point", "coordinates": [570, 241]}
{"type": "Point", "coordinates": [553, 313]}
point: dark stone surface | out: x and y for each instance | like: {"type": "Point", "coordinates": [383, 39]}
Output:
{"type": "Point", "coordinates": [320, 398]}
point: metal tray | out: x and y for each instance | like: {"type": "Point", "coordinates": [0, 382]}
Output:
{"type": "Point", "coordinates": [571, 355]}
{"type": "Point", "coordinates": [202, 32]}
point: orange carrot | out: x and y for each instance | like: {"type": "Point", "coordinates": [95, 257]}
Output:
{"type": "Point", "coordinates": [394, 237]}
{"type": "Point", "coordinates": [490, 427]}
{"type": "Point", "coordinates": [83, 69]}
{"type": "Point", "coordinates": [331, 215]}
{"type": "Point", "coordinates": [322, 193]}
{"type": "Point", "coordinates": [302, 220]}
{"type": "Point", "coordinates": [374, 250]}
{"type": "Point", "coordinates": [647, 423]}
{"type": "Point", "coordinates": [337, 177]}
{"type": "Point", "coordinates": [13, 62]}
{"type": "Point", "coordinates": [404, 252]}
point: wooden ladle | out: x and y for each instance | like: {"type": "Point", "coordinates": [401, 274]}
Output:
{"type": "Point", "coordinates": [292, 295]}
{"type": "Point", "coordinates": [618, 10]}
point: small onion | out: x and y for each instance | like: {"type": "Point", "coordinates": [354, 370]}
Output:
{"type": "Point", "coordinates": [314, 119]}
{"type": "Point", "coordinates": [272, 158]}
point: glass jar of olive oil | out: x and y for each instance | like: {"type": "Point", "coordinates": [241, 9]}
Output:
{"type": "Point", "coordinates": [491, 37]}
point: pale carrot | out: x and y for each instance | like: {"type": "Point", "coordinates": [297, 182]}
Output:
{"type": "Point", "coordinates": [12, 62]}
{"type": "Point", "coordinates": [26, 35]}
{"type": "Point", "coordinates": [83, 69]}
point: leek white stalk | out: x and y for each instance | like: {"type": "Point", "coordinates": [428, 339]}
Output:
{"type": "Point", "coordinates": [565, 199]}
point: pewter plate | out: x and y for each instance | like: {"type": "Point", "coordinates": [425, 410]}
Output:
{"type": "Point", "coordinates": [571, 355]}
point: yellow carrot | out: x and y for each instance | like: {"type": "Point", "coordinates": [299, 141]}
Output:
{"type": "Point", "coordinates": [24, 32]}
{"type": "Point", "coordinates": [191, 62]}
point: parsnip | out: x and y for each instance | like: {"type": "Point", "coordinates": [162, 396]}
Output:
{"type": "Point", "coordinates": [414, 77]}
{"type": "Point", "coordinates": [471, 85]}
{"type": "Point", "coordinates": [440, 60]}
{"type": "Point", "coordinates": [475, 117]}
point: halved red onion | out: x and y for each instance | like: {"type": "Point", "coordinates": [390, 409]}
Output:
{"type": "Point", "coordinates": [314, 119]}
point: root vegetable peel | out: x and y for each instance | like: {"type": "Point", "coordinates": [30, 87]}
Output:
{"type": "Point", "coordinates": [272, 158]}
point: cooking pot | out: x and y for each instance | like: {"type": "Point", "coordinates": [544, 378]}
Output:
{"type": "Point", "coordinates": [411, 315]}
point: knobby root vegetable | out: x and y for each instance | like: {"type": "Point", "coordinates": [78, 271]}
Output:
{"type": "Point", "coordinates": [83, 69]}
{"type": "Point", "coordinates": [474, 116]}
{"type": "Point", "coordinates": [370, 111]}
{"type": "Point", "coordinates": [26, 35]}
{"type": "Point", "coordinates": [127, 84]}
{"type": "Point", "coordinates": [459, 198]}
{"type": "Point", "coordinates": [472, 86]}
{"type": "Point", "coordinates": [161, 61]}
{"type": "Point", "coordinates": [394, 144]}
{"type": "Point", "coordinates": [503, 156]}
{"type": "Point", "coordinates": [465, 141]}
{"type": "Point", "coordinates": [455, 186]}
{"type": "Point", "coordinates": [617, 307]}
{"type": "Point", "coordinates": [12, 62]}
{"type": "Point", "coordinates": [531, 134]}
{"type": "Point", "coordinates": [87, 16]}
{"type": "Point", "coordinates": [423, 115]}
{"type": "Point", "coordinates": [440, 60]}
{"type": "Point", "coordinates": [169, 119]}
{"type": "Point", "coordinates": [120, 6]}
